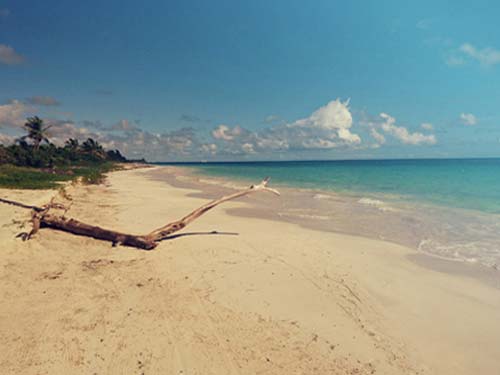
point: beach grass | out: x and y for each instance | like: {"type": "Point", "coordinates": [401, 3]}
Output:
{"type": "Point", "coordinates": [15, 177]}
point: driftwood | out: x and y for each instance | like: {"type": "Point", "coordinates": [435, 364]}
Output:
{"type": "Point", "coordinates": [41, 218]}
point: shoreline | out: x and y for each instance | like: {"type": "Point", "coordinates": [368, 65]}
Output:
{"type": "Point", "coordinates": [257, 296]}
{"type": "Point", "coordinates": [209, 187]}
{"type": "Point", "coordinates": [392, 199]}
{"type": "Point", "coordinates": [401, 199]}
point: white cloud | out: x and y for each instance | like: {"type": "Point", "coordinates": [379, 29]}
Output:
{"type": "Point", "coordinates": [13, 114]}
{"type": "Point", "coordinates": [269, 142]}
{"type": "Point", "coordinates": [124, 135]}
{"type": "Point", "coordinates": [377, 136]}
{"type": "Point", "coordinates": [318, 143]}
{"type": "Point", "coordinates": [225, 133]}
{"type": "Point", "coordinates": [236, 140]}
{"type": "Point", "coordinates": [180, 141]}
{"type": "Point", "coordinates": [427, 126]}
{"type": "Point", "coordinates": [334, 117]}
{"type": "Point", "coordinates": [468, 119]}
{"type": "Point", "coordinates": [248, 148]}
{"type": "Point", "coordinates": [134, 142]}
{"type": "Point", "coordinates": [401, 133]}
{"type": "Point", "coordinates": [61, 130]}
{"type": "Point", "coordinates": [327, 127]}
{"type": "Point", "coordinates": [486, 56]}
{"type": "Point", "coordinates": [8, 56]}
{"type": "Point", "coordinates": [209, 148]}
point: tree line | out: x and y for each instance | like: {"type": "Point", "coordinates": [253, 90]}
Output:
{"type": "Point", "coordinates": [35, 149]}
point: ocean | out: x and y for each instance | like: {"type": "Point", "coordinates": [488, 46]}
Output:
{"type": "Point", "coordinates": [448, 208]}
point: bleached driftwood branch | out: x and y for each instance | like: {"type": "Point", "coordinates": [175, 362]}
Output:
{"type": "Point", "coordinates": [41, 218]}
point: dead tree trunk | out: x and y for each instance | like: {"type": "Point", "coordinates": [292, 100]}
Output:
{"type": "Point", "coordinates": [82, 229]}
{"type": "Point", "coordinates": [41, 218]}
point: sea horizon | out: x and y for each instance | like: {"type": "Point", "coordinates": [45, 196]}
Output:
{"type": "Point", "coordinates": [319, 160]}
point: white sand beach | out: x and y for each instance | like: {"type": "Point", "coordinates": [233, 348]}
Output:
{"type": "Point", "coordinates": [258, 297]}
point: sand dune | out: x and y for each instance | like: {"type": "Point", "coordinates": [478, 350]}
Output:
{"type": "Point", "coordinates": [260, 297]}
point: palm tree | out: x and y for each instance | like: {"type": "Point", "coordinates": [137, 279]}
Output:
{"type": "Point", "coordinates": [73, 149]}
{"type": "Point", "coordinates": [92, 148]}
{"type": "Point", "coordinates": [72, 144]}
{"type": "Point", "coordinates": [37, 132]}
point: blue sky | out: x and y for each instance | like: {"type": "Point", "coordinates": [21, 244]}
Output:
{"type": "Point", "coordinates": [234, 80]}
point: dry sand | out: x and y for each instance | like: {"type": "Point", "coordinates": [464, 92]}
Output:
{"type": "Point", "coordinates": [261, 297]}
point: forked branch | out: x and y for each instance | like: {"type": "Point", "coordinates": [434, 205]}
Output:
{"type": "Point", "coordinates": [165, 231]}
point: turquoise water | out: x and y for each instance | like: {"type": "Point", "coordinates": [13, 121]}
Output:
{"type": "Point", "coordinates": [462, 183]}
{"type": "Point", "coordinates": [447, 208]}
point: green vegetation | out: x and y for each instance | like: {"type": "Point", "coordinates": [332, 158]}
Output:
{"type": "Point", "coordinates": [15, 177]}
{"type": "Point", "coordinates": [37, 132]}
{"type": "Point", "coordinates": [29, 164]}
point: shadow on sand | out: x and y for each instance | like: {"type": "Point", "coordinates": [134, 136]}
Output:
{"type": "Point", "coordinates": [212, 233]}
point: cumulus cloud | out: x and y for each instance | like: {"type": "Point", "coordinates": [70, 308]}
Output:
{"type": "Point", "coordinates": [209, 148]}
{"type": "Point", "coordinates": [140, 143]}
{"type": "Point", "coordinates": [468, 119]}
{"type": "Point", "coordinates": [130, 139]}
{"type": "Point", "coordinates": [318, 143]}
{"type": "Point", "coordinates": [235, 140]}
{"type": "Point", "coordinates": [427, 126]}
{"type": "Point", "coordinates": [486, 56]}
{"type": "Point", "coordinates": [248, 148]}
{"type": "Point", "coordinates": [334, 118]}
{"type": "Point", "coordinates": [226, 133]}
{"type": "Point", "coordinates": [43, 100]}
{"type": "Point", "coordinates": [326, 128]}
{"type": "Point", "coordinates": [61, 130]}
{"type": "Point", "coordinates": [181, 141]}
{"type": "Point", "coordinates": [125, 135]}
{"type": "Point", "coordinates": [13, 114]}
{"type": "Point", "coordinates": [9, 56]}
{"type": "Point", "coordinates": [402, 134]}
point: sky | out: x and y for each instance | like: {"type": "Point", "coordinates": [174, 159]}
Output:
{"type": "Point", "coordinates": [256, 80]}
